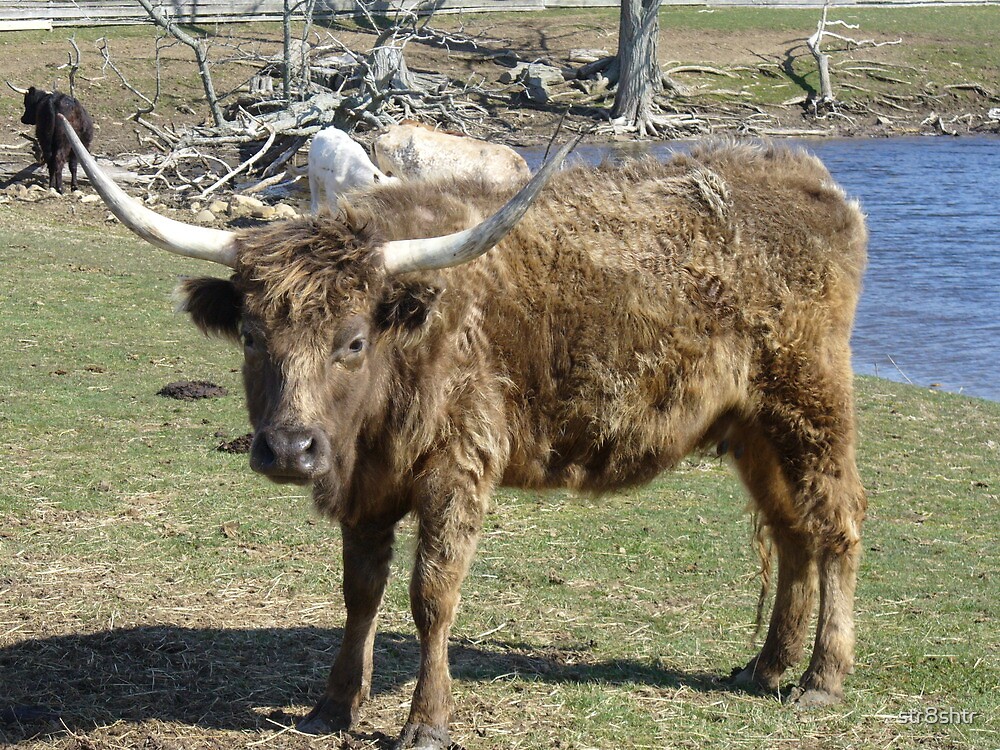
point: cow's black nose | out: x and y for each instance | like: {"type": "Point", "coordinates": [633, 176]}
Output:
{"type": "Point", "coordinates": [290, 454]}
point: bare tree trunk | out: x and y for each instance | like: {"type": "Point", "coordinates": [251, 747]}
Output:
{"type": "Point", "coordinates": [639, 73]}
{"type": "Point", "coordinates": [309, 7]}
{"type": "Point", "coordinates": [825, 100]}
{"type": "Point", "coordinates": [286, 74]}
{"type": "Point", "coordinates": [826, 96]}
{"type": "Point", "coordinates": [200, 55]}
{"type": "Point", "coordinates": [296, 52]}
{"type": "Point", "coordinates": [389, 69]}
{"type": "Point", "coordinates": [73, 63]}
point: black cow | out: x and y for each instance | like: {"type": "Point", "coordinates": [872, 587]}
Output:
{"type": "Point", "coordinates": [40, 110]}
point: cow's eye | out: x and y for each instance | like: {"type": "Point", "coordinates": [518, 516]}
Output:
{"type": "Point", "coordinates": [351, 355]}
{"type": "Point", "coordinates": [249, 342]}
{"type": "Point", "coordinates": [350, 343]}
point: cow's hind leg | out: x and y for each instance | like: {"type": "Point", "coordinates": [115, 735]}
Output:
{"type": "Point", "coordinates": [73, 164]}
{"type": "Point", "coordinates": [836, 520]}
{"type": "Point", "coordinates": [760, 470]}
{"type": "Point", "coordinates": [367, 554]}
{"type": "Point", "coordinates": [808, 422]}
{"type": "Point", "coordinates": [833, 652]}
{"type": "Point", "coordinates": [55, 166]}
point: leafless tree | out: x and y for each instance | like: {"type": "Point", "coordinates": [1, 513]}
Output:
{"type": "Point", "coordinates": [295, 51]}
{"type": "Point", "coordinates": [814, 42]}
{"type": "Point", "coordinates": [73, 64]}
{"type": "Point", "coordinates": [200, 49]}
{"type": "Point", "coordinates": [826, 99]}
{"type": "Point", "coordinates": [149, 104]}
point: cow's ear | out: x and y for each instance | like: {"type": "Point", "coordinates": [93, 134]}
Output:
{"type": "Point", "coordinates": [406, 307]}
{"type": "Point", "coordinates": [215, 306]}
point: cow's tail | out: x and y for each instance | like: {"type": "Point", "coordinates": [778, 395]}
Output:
{"type": "Point", "coordinates": [762, 545]}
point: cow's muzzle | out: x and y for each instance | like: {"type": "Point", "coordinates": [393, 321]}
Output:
{"type": "Point", "coordinates": [290, 454]}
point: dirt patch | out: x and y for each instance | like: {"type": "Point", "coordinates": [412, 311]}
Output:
{"type": "Point", "coordinates": [237, 445]}
{"type": "Point", "coordinates": [192, 390]}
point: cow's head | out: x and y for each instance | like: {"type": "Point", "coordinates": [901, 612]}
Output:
{"type": "Point", "coordinates": [320, 320]}
{"type": "Point", "coordinates": [321, 307]}
{"type": "Point", "coordinates": [32, 98]}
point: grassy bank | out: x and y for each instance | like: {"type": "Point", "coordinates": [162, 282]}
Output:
{"type": "Point", "coordinates": [923, 52]}
{"type": "Point", "coordinates": [154, 593]}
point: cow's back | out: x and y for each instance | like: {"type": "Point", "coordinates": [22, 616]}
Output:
{"type": "Point", "coordinates": [635, 305]}
{"type": "Point", "coordinates": [69, 107]}
{"type": "Point", "coordinates": [415, 152]}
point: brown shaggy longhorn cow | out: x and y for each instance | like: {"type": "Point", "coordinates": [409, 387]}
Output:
{"type": "Point", "coordinates": [626, 316]}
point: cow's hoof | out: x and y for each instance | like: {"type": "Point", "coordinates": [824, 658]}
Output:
{"type": "Point", "coordinates": [423, 737]}
{"type": "Point", "coordinates": [806, 698]}
{"type": "Point", "coordinates": [754, 680]}
{"type": "Point", "coordinates": [324, 719]}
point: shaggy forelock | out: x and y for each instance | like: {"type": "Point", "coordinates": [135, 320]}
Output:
{"type": "Point", "coordinates": [311, 269]}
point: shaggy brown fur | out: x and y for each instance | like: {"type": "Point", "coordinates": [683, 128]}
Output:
{"type": "Point", "coordinates": [636, 313]}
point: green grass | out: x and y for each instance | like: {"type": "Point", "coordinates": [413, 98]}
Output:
{"type": "Point", "coordinates": [943, 22]}
{"type": "Point", "coordinates": [938, 47]}
{"type": "Point", "coordinates": [154, 592]}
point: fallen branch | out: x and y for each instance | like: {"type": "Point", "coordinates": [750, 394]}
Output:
{"type": "Point", "coordinates": [700, 69]}
{"type": "Point", "coordinates": [167, 138]}
{"type": "Point", "coordinates": [793, 132]}
{"type": "Point", "coordinates": [889, 103]}
{"type": "Point", "coordinates": [297, 142]}
{"type": "Point", "coordinates": [15, 146]}
{"type": "Point", "coordinates": [936, 121]}
{"type": "Point", "coordinates": [889, 79]}
{"type": "Point", "coordinates": [606, 67]}
{"type": "Point", "coordinates": [264, 184]}
{"type": "Point", "coordinates": [245, 165]}
{"type": "Point", "coordinates": [885, 63]}
{"type": "Point", "coordinates": [978, 88]}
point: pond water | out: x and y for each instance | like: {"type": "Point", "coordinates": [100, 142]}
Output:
{"type": "Point", "coordinates": [930, 311]}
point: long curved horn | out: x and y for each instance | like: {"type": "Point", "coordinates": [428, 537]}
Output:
{"type": "Point", "coordinates": [176, 237]}
{"type": "Point", "coordinates": [14, 88]}
{"type": "Point", "coordinates": [449, 250]}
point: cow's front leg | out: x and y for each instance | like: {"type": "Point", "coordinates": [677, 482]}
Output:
{"type": "Point", "coordinates": [367, 553]}
{"type": "Point", "coordinates": [448, 535]}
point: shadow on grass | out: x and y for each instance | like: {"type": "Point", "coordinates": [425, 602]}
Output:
{"type": "Point", "coordinates": [236, 679]}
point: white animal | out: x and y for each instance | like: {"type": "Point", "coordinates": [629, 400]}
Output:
{"type": "Point", "coordinates": [337, 165]}
{"type": "Point", "coordinates": [412, 151]}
